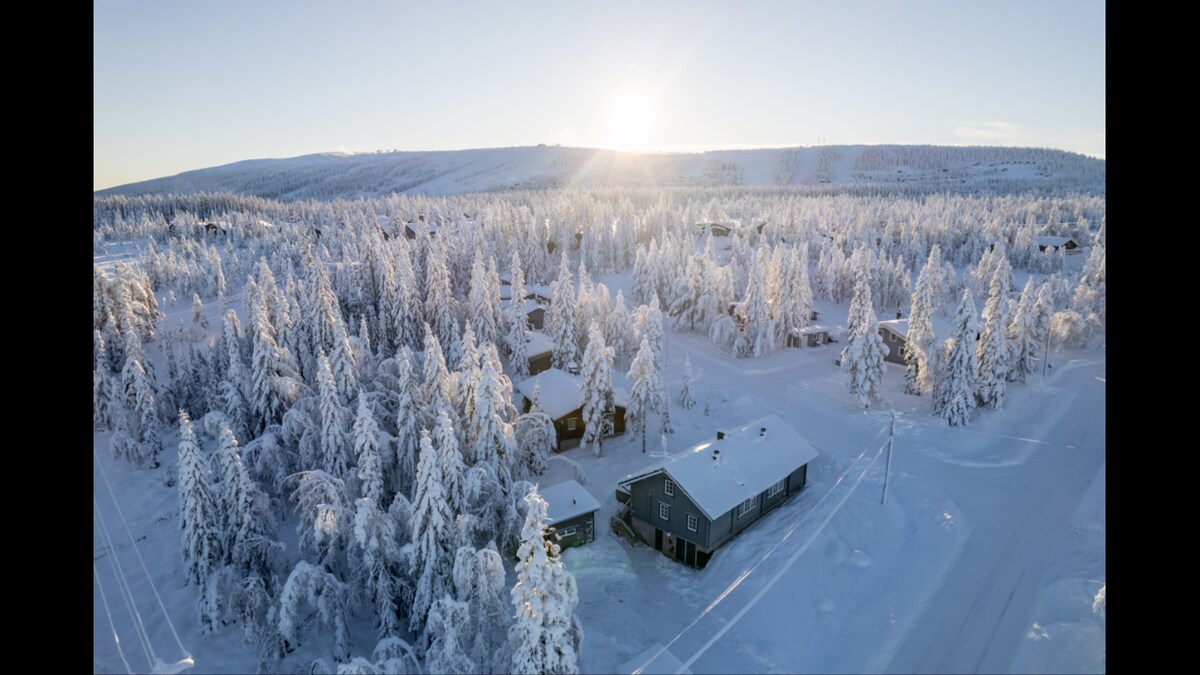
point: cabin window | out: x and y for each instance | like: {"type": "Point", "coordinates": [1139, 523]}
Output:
{"type": "Point", "coordinates": [891, 337]}
{"type": "Point", "coordinates": [693, 523]}
{"type": "Point", "coordinates": [669, 487]}
{"type": "Point", "coordinates": [571, 424]}
{"type": "Point", "coordinates": [567, 532]}
{"type": "Point", "coordinates": [774, 489]}
{"type": "Point", "coordinates": [664, 511]}
{"type": "Point", "coordinates": [747, 506]}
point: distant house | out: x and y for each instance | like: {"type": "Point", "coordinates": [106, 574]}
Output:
{"type": "Point", "coordinates": [810, 336]}
{"type": "Point", "coordinates": [894, 333]}
{"type": "Point", "coordinates": [715, 229]}
{"type": "Point", "coordinates": [562, 399]}
{"type": "Point", "coordinates": [656, 660]}
{"type": "Point", "coordinates": [540, 351]}
{"type": "Point", "coordinates": [572, 514]}
{"type": "Point", "coordinates": [421, 225]}
{"type": "Point", "coordinates": [534, 312]}
{"type": "Point", "coordinates": [690, 504]}
{"type": "Point", "coordinates": [1055, 243]}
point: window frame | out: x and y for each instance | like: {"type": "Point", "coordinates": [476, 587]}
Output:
{"type": "Point", "coordinates": [668, 487]}
{"type": "Point", "coordinates": [693, 523]}
{"type": "Point", "coordinates": [571, 424]}
{"type": "Point", "coordinates": [776, 488]}
{"type": "Point", "coordinates": [567, 532]}
{"type": "Point", "coordinates": [747, 506]}
{"type": "Point", "coordinates": [661, 506]}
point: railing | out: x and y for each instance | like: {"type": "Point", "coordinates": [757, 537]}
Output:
{"type": "Point", "coordinates": [621, 526]}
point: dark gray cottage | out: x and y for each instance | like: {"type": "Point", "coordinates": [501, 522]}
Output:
{"type": "Point", "coordinates": [572, 513]}
{"type": "Point", "coordinates": [688, 505]}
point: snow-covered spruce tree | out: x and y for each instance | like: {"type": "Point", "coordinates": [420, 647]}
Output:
{"type": "Point", "coordinates": [1023, 342]}
{"type": "Point", "coordinates": [273, 375]}
{"type": "Point", "coordinates": [863, 358]}
{"type": "Point", "coordinates": [992, 348]}
{"type": "Point", "coordinates": [647, 395]}
{"type": "Point", "coordinates": [326, 594]}
{"type": "Point", "coordinates": [367, 450]}
{"type": "Point", "coordinates": [687, 397]}
{"type": "Point", "coordinates": [379, 574]}
{"type": "Point", "coordinates": [198, 517]}
{"type": "Point", "coordinates": [141, 412]}
{"type": "Point", "coordinates": [518, 323]}
{"type": "Point", "coordinates": [482, 307]}
{"type": "Point", "coordinates": [597, 389]}
{"type": "Point", "coordinates": [920, 339]}
{"type": "Point", "coordinates": [492, 437]}
{"type": "Point", "coordinates": [644, 278]}
{"type": "Point", "coordinates": [335, 442]}
{"type": "Point", "coordinates": [760, 325]}
{"type": "Point", "coordinates": [249, 524]}
{"type": "Point", "coordinates": [104, 405]}
{"type": "Point", "coordinates": [341, 364]}
{"type": "Point", "coordinates": [960, 370]}
{"type": "Point", "coordinates": [437, 389]}
{"type": "Point", "coordinates": [452, 470]}
{"type": "Point", "coordinates": [407, 431]}
{"type": "Point", "coordinates": [560, 319]}
{"type": "Point", "coordinates": [440, 306]}
{"type": "Point", "coordinates": [1089, 298]}
{"type": "Point", "coordinates": [448, 643]}
{"type": "Point", "coordinates": [323, 519]}
{"type": "Point", "coordinates": [536, 438]}
{"type": "Point", "coordinates": [547, 636]}
{"type": "Point", "coordinates": [616, 329]}
{"type": "Point", "coordinates": [647, 323]}
{"type": "Point", "coordinates": [480, 584]}
{"type": "Point", "coordinates": [430, 555]}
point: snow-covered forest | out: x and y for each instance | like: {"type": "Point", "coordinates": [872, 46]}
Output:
{"type": "Point", "coordinates": [326, 386]}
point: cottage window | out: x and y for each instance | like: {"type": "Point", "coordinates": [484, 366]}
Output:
{"type": "Point", "coordinates": [669, 487]}
{"type": "Point", "coordinates": [774, 489]}
{"type": "Point", "coordinates": [891, 336]}
{"type": "Point", "coordinates": [747, 506]}
{"type": "Point", "coordinates": [693, 522]}
{"type": "Point", "coordinates": [664, 511]}
{"type": "Point", "coordinates": [571, 424]}
{"type": "Point", "coordinates": [567, 532]}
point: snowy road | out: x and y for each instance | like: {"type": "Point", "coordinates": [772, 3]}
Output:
{"type": "Point", "coordinates": [976, 619]}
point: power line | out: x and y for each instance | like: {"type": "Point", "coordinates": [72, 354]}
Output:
{"type": "Point", "coordinates": [123, 584]}
{"type": "Point", "coordinates": [111, 624]}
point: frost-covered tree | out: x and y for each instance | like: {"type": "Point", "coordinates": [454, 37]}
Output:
{"type": "Point", "coordinates": [863, 357]}
{"type": "Point", "coordinates": [199, 318]}
{"type": "Point", "coordinates": [335, 442]}
{"type": "Point", "coordinates": [647, 323]}
{"type": "Point", "coordinates": [367, 450]}
{"type": "Point", "coordinates": [492, 437]}
{"type": "Point", "coordinates": [597, 389]}
{"type": "Point", "coordinates": [560, 319]}
{"type": "Point", "coordinates": [547, 634]}
{"type": "Point", "coordinates": [198, 517]}
{"type": "Point", "coordinates": [379, 575]}
{"type": "Point", "coordinates": [1023, 341]}
{"type": "Point", "coordinates": [431, 554]}
{"type": "Point", "coordinates": [616, 329]}
{"type": "Point", "coordinates": [325, 593]}
{"type": "Point", "coordinates": [647, 395]}
{"type": "Point", "coordinates": [324, 518]}
{"type": "Point", "coordinates": [536, 437]}
{"type": "Point", "coordinates": [452, 470]}
{"type": "Point", "coordinates": [518, 323]}
{"type": "Point", "coordinates": [687, 397]}
{"type": "Point", "coordinates": [483, 302]}
{"type": "Point", "coordinates": [918, 378]}
{"type": "Point", "coordinates": [479, 583]}
{"type": "Point", "coordinates": [448, 645]}
{"type": "Point", "coordinates": [960, 370]}
{"type": "Point", "coordinates": [437, 388]}
{"type": "Point", "coordinates": [104, 405]}
{"type": "Point", "coordinates": [408, 414]}
{"type": "Point", "coordinates": [992, 350]}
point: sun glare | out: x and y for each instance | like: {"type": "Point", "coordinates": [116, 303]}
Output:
{"type": "Point", "coordinates": [630, 126]}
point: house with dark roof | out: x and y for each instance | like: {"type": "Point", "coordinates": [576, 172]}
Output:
{"type": "Point", "coordinates": [688, 505]}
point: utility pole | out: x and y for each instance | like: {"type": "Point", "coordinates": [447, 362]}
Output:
{"type": "Point", "coordinates": [888, 471]}
{"type": "Point", "coordinates": [1046, 360]}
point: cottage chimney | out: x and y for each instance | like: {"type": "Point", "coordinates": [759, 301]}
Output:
{"type": "Point", "coordinates": [717, 456]}
{"type": "Point", "coordinates": [898, 314]}
{"type": "Point", "coordinates": [762, 432]}
{"type": "Point", "coordinates": [720, 435]}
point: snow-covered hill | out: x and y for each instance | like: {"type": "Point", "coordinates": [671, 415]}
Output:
{"type": "Point", "coordinates": [891, 167]}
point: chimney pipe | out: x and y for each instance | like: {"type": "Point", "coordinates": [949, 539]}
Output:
{"type": "Point", "coordinates": [898, 314]}
{"type": "Point", "coordinates": [720, 435]}
{"type": "Point", "coordinates": [762, 432]}
{"type": "Point", "coordinates": [716, 455]}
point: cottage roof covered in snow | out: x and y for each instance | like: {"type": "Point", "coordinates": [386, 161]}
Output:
{"type": "Point", "coordinates": [749, 463]}
{"type": "Point", "coordinates": [562, 392]}
{"type": "Point", "coordinates": [567, 500]}
{"type": "Point", "coordinates": [538, 343]}
{"type": "Point", "coordinates": [664, 664]}
{"type": "Point", "coordinates": [942, 328]}
{"type": "Point", "coordinates": [1053, 242]}
{"type": "Point", "coordinates": [530, 305]}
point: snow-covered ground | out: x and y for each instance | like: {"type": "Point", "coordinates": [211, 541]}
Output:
{"type": "Point", "coordinates": [975, 545]}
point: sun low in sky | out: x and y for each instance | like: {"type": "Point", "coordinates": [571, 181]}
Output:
{"type": "Point", "coordinates": [632, 122]}
{"type": "Point", "coordinates": [187, 85]}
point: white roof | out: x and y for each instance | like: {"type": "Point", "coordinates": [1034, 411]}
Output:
{"type": "Point", "coordinates": [567, 500]}
{"type": "Point", "coordinates": [1046, 240]}
{"type": "Point", "coordinates": [665, 664]}
{"type": "Point", "coordinates": [941, 327]}
{"type": "Point", "coordinates": [538, 343]}
{"type": "Point", "coordinates": [748, 465]}
{"type": "Point", "coordinates": [530, 305]}
{"type": "Point", "coordinates": [814, 328]}
{"type": "Point", "coordinates": [562, 392]}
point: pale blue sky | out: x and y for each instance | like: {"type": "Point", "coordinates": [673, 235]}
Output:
{"type": "Point", "coordinates": [185, 85]}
